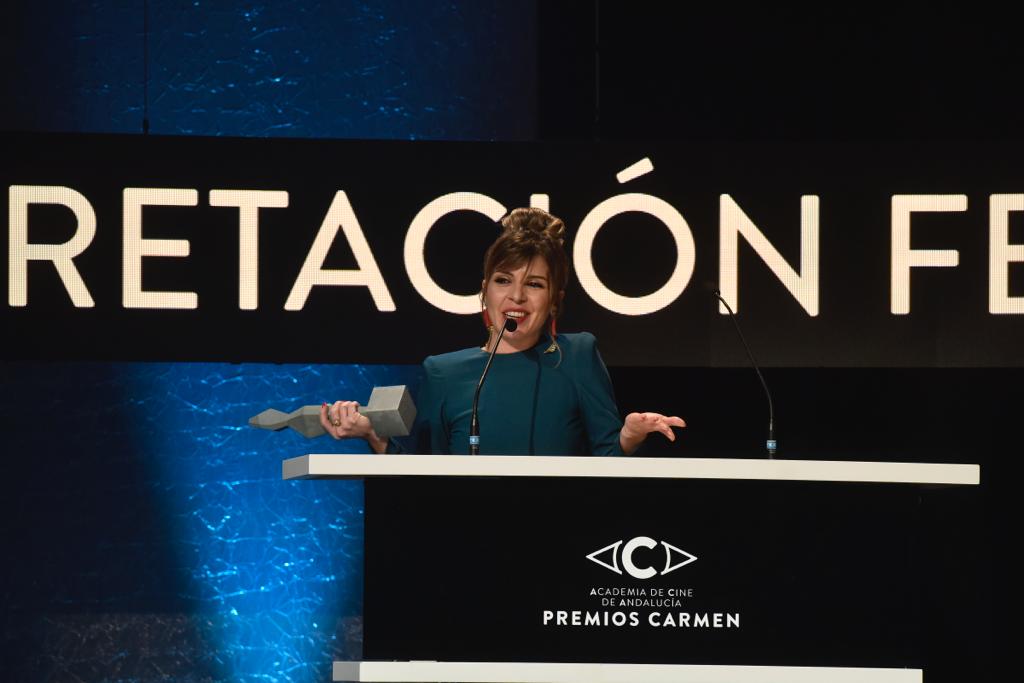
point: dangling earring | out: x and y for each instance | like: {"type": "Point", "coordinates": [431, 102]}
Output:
{"type": "Point", "coordinates": [487, 320]}
{"type": "Point", "coordinates": [554, 336]}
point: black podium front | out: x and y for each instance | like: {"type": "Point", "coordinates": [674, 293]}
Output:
{"type": "Point", "coordinates": [799, 564]}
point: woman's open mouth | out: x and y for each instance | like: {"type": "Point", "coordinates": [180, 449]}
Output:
{"type": "Point", "coordinates": [516, 315]}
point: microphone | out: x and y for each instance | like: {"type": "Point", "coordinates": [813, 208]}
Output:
{"type": "Point", "coordinates": [770, 444]}
{"type": "Point", "coordinates": [474, 422]}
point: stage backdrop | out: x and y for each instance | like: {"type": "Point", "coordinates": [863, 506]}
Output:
{"type": "Point", "coordinates": [160, 291]}
{"type": "Point", "coordinates": [834, 255]}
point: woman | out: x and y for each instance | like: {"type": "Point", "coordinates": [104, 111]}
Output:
{"type": "Point", "coordinates": [546, 393]}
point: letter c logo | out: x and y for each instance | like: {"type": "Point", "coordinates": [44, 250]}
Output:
{"type": "Point", "coordinates": [627, 557]}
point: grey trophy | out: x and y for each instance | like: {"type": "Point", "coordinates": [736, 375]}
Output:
{"type": "Point", "coordinates": [390, 410]}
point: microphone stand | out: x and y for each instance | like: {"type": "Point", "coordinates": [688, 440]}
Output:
{"type": "Point", "coordinates": [474, 422]}
{"type": "Point", "coordinates": [770, 444]}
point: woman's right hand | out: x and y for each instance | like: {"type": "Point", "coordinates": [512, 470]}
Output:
{"type": "Point", "coordinates": [342, 420]}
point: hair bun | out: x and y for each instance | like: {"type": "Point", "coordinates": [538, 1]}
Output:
{"type": "Point", "coordinates": [536, 221]}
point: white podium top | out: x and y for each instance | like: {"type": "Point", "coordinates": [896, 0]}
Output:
{"type": "Point", "coordinates": [349, 466]}
{"type": "Point", "coordinates": [535, 672]}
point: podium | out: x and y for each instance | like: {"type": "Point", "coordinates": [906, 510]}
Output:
{"type": "Point", "coordinates": [550, 569]}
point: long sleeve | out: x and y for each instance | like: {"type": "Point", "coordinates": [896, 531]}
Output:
{"type": "Point", "coordinates": [433, 433]}
{"type": "Point", "coordinates": [430, 432]}
{"type": "Point", "coordinates": [597, 398]}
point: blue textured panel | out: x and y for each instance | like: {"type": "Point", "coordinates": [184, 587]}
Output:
{"type": "Point", "coordinates": [150, 495]}
{"type": "Point", "coordinates": [79, 66]}
{"type": "Point", "coordinates": [381, 69]}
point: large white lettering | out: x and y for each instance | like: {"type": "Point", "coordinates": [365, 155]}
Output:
{"type": "Point", "coordinates": [802, 282]}
{"type": "Point", "coordinates": [540, 201]}
{"type": "Point", "coordinates": [135, 247]}
{"type": "Point", "coordinates": [1001, 253]}
{"type": "Point", "coordinates": [20, 252]}
{"type": "Point", "coordinates": [416, 239]}
{"type": "Point", "coordinates": [903, 257]}
{"type": "Point", "coordinates": [686, 254]}
{"type": "Point", "coordinates": [340, 215]}
{"type": "Point", "coordinates": [249, 203]}
{"type": "Point", "coordinates": [734, 222]}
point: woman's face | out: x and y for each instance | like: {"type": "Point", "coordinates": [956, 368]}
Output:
{"type": "Point", "coordinates": [524, 294]}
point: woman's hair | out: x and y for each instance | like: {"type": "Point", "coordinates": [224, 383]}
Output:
{"type": "Point", "coordinates": [527, 234]}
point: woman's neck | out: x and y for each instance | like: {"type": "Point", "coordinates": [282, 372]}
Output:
{"type": "Point", "coordinates": [511, 345]}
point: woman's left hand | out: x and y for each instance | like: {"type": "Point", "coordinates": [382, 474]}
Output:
{"type": "Point", "coordinates": [639, 425]}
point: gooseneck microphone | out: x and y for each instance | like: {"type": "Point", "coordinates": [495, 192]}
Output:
{"type": "Point", "coordinates": [770, 444]}
{"type": "Point", "coordinates": [474, 422]}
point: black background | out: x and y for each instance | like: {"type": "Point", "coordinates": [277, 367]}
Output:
{"type": "Point", "coordinates": [823, 574]}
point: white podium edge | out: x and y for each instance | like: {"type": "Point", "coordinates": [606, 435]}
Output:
{"type": "Point", "coordinates": [358, 466]}
{"type": "Point", "coordinates": [537, 672]}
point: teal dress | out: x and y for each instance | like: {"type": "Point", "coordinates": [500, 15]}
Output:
{"type": "Point", "coordinates": [532, 403]}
